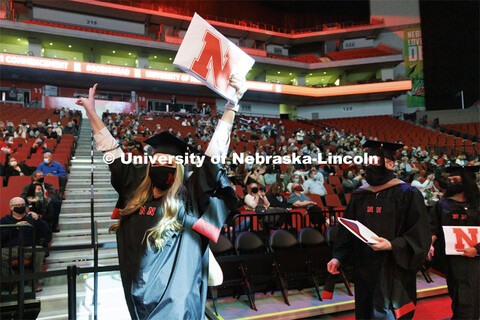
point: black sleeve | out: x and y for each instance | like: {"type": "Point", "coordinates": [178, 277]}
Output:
{"type": "Point", "coordinates": [345, 239]}
{"type": "Point", "coordinates": [435, 216]}
{"type": "Point", "coordinates": [411, 247]}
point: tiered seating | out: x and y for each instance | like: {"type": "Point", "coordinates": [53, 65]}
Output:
{"type": "Point", "coordinates": [71, 27]}
{"type": "Point", "coordinates": [309, 58]}
{"type": "Point", "coordinates": [381, 50]}
{"type": "Point", "coordinates": [62, 151]}
{"type": "Point", "coordinates": [471, 130]}
{"type": "Point", "coordinates": [387, 128]}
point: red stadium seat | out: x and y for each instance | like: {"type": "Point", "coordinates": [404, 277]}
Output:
{"type": "Point", "coordinates": [19, 181]}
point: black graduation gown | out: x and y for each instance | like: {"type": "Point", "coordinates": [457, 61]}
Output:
{"type": "Point", "coordinates": [170, 283]}
{"type": "Point", "coordinates": [385, 281]}
{"type": "Point", "coordinates": [462, 273]}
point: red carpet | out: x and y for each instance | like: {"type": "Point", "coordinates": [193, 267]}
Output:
{"type": "Point", "coordinates": [427, 309]}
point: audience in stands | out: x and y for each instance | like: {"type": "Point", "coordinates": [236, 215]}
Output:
{"type": "Point", "coordinates": [17, 169]}
{"type": "Point", "coordinates": [10, 236]}
{"type": "Point", "coordinates": [49, 192]}
{"type": "Point", "coordinates": [39, 146]}
{"type": "Point", "coordinates": [314, 183]}
{"type": "Point", "coordinates": [350, 181]}
{"type": "Point", "coordinates": [298, 199]}
{"type": "Point", "coordinates": [275, 197]}
{"type": "Point", "coordinates": [256, 199]}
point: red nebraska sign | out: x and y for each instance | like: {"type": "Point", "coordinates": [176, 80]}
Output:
{"type": "Point", "coordinates": [459, 238]}
{"type": "Point", "coordinates": [211, 58]}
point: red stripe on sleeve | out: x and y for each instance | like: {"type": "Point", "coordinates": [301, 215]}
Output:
{"type": "Point", "coordinates": [115, 214]}
{"type": "Point", "coordinates": [409, 307]}
{"type": "Point", "coordinates": [207, 229]}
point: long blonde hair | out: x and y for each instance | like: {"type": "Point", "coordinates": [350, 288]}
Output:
{"type": "Point", "coordinates": [170, 207]}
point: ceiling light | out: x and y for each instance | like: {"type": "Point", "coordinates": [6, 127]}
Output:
{"type": "Point", "coordinates": [75, 58]}
{"type": "Point", "coordinates": [4, 50]}
{"type": "Point", "coordinates": [278, 72]}
{"type": "Point", "coordinates": [54, 56]}
{"type": "Point", "coordinates": [129, 53]}
{"type": "Point", "coordinates": [310, 74]}
{"type": "Point", "coordinates": [307, 80]}
{"type": "Point", "coordinates": [113, 51]}
{"type": "Point", "coordinates": [324, 72]}
{"type": "Point", "coordinates": [170, 59]}
{"type": "Point", "coordinates": [155, 57]}
{"type": "Point", "coordinates": [51, 44]}
{"type": "Point", "coordinates": [323, 79]}
{"type": "Point", "coordinates": [69, 45]}
{"type": "Point", "coordinates": [18, 39]}
{"type": "Point", "coordinates": [166, 68]}
{"type": "Point", "coordinates": [108, 61]}
{"type": "Point", "coordinates": [290, 73]}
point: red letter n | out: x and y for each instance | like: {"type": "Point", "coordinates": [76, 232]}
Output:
{"type": "Point", "coordinates": [212, 62]}
{"type": "Point", "coordinates": [471, 241]}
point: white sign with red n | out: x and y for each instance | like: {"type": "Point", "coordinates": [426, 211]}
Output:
{"type": "Point", "coordinates": [460, 238]}
{"type": "Point", "coordinates": [211, 58]}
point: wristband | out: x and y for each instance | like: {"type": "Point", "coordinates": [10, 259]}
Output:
{"type": "Point", "coordinates": [231, 106]}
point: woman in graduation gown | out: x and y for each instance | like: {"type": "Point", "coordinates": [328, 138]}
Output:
{"type": "Point", "coordinates": [385, 273]}
{"type": "Point", "coordinates": [167, 219]}
{"type": "Point", "coordinates": [459, 207]}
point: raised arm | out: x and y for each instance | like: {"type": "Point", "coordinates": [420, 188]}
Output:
{"type": "Point", "coordinates": [220, 141]}
{"type": "Point", "coordinates": [105, 141]}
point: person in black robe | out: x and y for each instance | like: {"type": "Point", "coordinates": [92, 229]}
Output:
{"type": "Point", "coordinates": [167, 219]}
{"type": "Point", "coordinates": [385, 272]}
{"type": "Point", "coordinates": [460, 206]}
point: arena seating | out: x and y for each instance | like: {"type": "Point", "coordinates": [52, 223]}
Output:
{"type": "Point", "coordinates": [71, 27]}
{"type": "Point", "coordinates": [467, 130]}
{"type": "Point", "coordinates": [381, 50]}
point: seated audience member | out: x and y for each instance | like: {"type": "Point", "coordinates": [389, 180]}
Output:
{"type": "Point", "coordinates": [51, 134]}
{"type": "Point", "coordinates": [53, 168]}
{"type": "Point", "coordinates": [49, 192]}
{"type": "Point", "coordinates": [8, 146]}
{"type": "Point", "coordinates": [295, 178]}
{"type": "Point", "coordinates": [70, 129]}
{"type": "Point", "coordinates": [350, 182]}
{"type": "Point", "coordinates": [256, 175]}
{"type": "Point", "coordinates": [288, 174]}
{"type": "Point", "coordinates": [10, 236]}
{"type": "Point", "coordinates": [275, 197]}
{"type": "Point", "coordinates": [426, 185]}
{"type": "Point", "coordinates": [39, 146]}
{"type": "Point", "coordinates": [298, 199]}
{"type": "Point", "coordinates": [37, 202]}
{"type": "Point", "coordinates": [17, 169]}
{"type": "Point", "coordinates": [270, 176]}
{"type": "Point", "coordinates": [314, 186]}
{"type": "Point", "coordinates": [256, 199]}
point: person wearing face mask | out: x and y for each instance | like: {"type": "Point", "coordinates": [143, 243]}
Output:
{"type": "Point", "coordinates": [299, 200]}
{"type": "Point", "coordinates": [10, 236]}
{"type": "Point", "coordinates": [167, 217]}
{"type": "Point", "coordinates": [255, 198]}
{"type": "Point", "coordinates": [350, 182]}
{"type": "Point", "coordinates": [36, 201]}
{"type": "Point", "coordinates": [53, 168]}
{"type": "Point", "coordinates": [17, 169]}
{"type": "Point", "coordinates": [385, 272]}
{"type": "Point", "coordinates": [7, 145]}
{"type": "Point", "coordinates": [314, 186]}
{"type": "Point", "coordinates": [460, 206]}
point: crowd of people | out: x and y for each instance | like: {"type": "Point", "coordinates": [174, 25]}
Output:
{"type": "Point", "coordinates": [39, 202]}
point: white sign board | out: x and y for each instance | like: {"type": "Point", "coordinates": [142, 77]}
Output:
{"type": "Point", "coordinates": [459, 238]}
{"type": "Point", "coordinates": [211, 58]}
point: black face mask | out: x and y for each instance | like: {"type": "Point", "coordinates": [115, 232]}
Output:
{"type": "Point", "coordinates": [454, 188]}
{"type": "Point", "coordinates": [254, 190]}
{"type": "Point", "coordinates": [19, 210]}
{"type": "Point", "coordinates": [378, 175]}
{"type": "Point", "coordinates": [162, 177]}
{"type": "Point", "coordinates": [40, 180]}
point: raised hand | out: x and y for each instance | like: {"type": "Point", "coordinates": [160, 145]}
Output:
{"type": "Point", "coordinates": [239, 83]}
{"type": "Point", "coordinates": [88, 103]}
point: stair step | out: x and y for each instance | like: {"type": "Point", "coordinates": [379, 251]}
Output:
{"type": "Point", "coordinates": [83, 264]}
{"type": "Point", "coordinates": [97, 214]}
{"type": "Point", "coordinates": [87, 254]}
{"type": "Point", "coordinates": [78, 232]}
{"type": "Point", "coordinates": [81, 240]}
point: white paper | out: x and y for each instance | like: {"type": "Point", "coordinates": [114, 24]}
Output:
{"type": "Point", "coordinates": [460, 238]}
{"type": "Point", "coordinates": [365, 233]}
{"type": "Point", "coordinates": [202, 44]}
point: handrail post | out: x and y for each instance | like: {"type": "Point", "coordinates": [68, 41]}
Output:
{"type": "Point", "coordinates": [95, 273]}
{"type": "Point", "coordinates": [21, 271]}
{"type": "Point", "coordinates": [72, 272]}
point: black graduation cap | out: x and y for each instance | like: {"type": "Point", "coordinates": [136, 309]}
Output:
{"type": "Point", "coordinates": [165, 142]}
{"type": "Point", "coordinates": [382, 148]}
{"type": "Point", "coordinates": [458, 170]}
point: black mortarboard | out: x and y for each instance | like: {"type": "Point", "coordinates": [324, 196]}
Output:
{"type": "Point", "coordinates": [458, 170]}
{"type": "Point", "coordinates": [165, 142]}
{"type": "Point", "coordinates": [382, 148]}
